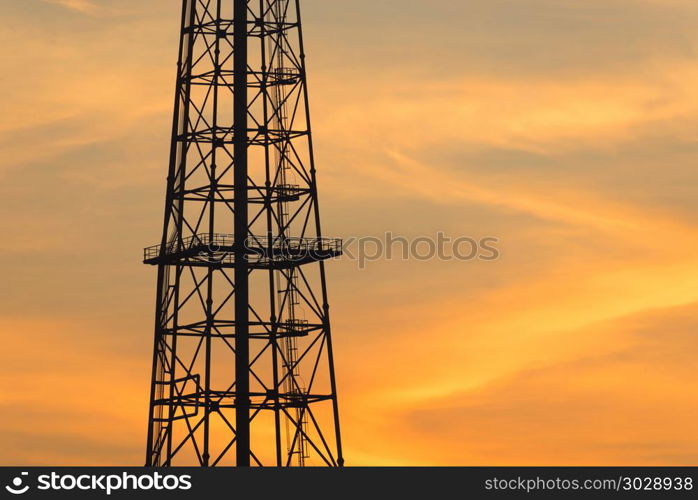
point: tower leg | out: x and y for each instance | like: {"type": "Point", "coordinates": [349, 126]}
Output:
{"type": "Point", "coordinates": [242, 333]}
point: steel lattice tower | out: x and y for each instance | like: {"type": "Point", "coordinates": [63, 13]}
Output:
{"type": "Point", "coordinates": [243, 372]}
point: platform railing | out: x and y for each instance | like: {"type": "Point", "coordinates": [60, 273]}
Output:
{"type": "Point", "coordinates": [259, 245]}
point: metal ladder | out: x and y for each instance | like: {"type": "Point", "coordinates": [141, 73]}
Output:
{"type": "Point", "coordinates": [296, 442]}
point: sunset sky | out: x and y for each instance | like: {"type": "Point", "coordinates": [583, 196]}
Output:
{"type": "Point", "coordinates": [567, 129]}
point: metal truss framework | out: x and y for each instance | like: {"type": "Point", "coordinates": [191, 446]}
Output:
{"type": "Point", "coordinates": [243, 372]}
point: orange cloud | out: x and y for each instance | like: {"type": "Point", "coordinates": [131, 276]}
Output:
{"type": "Point", "coordinates": [538, 114]}
{"type": "Point", "coordinates": [574, 348]}
{"type": "Point", "coordinates": [84, 6]}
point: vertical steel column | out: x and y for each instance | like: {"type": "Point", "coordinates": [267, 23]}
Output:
{"type": "Point", "coordinates": [242, 327]}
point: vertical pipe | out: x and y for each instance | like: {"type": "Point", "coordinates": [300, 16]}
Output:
{"type": "Point", "coordinates": [269, 184]}
{"type": "Point", "coordinates": [242, 329]}
{"type": "Point", "coordinates": [213, 188]}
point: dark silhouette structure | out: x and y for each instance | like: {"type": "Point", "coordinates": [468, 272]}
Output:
{"type": "Point", "coordinates": [243, 372]}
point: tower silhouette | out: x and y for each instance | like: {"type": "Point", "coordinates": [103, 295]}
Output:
{"type": "Point", "coordinates": [243, 371]}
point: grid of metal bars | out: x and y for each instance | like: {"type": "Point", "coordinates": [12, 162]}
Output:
{"type": "Point", "coordinates": [243, 369]}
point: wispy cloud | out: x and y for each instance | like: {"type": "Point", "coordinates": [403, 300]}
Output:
{"type": "Point", "coordinates": [541, 115]}
{"type": "Point", "coordinates": [84, 6]}
{"type": "Point", "coordinates": [571, 142]}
